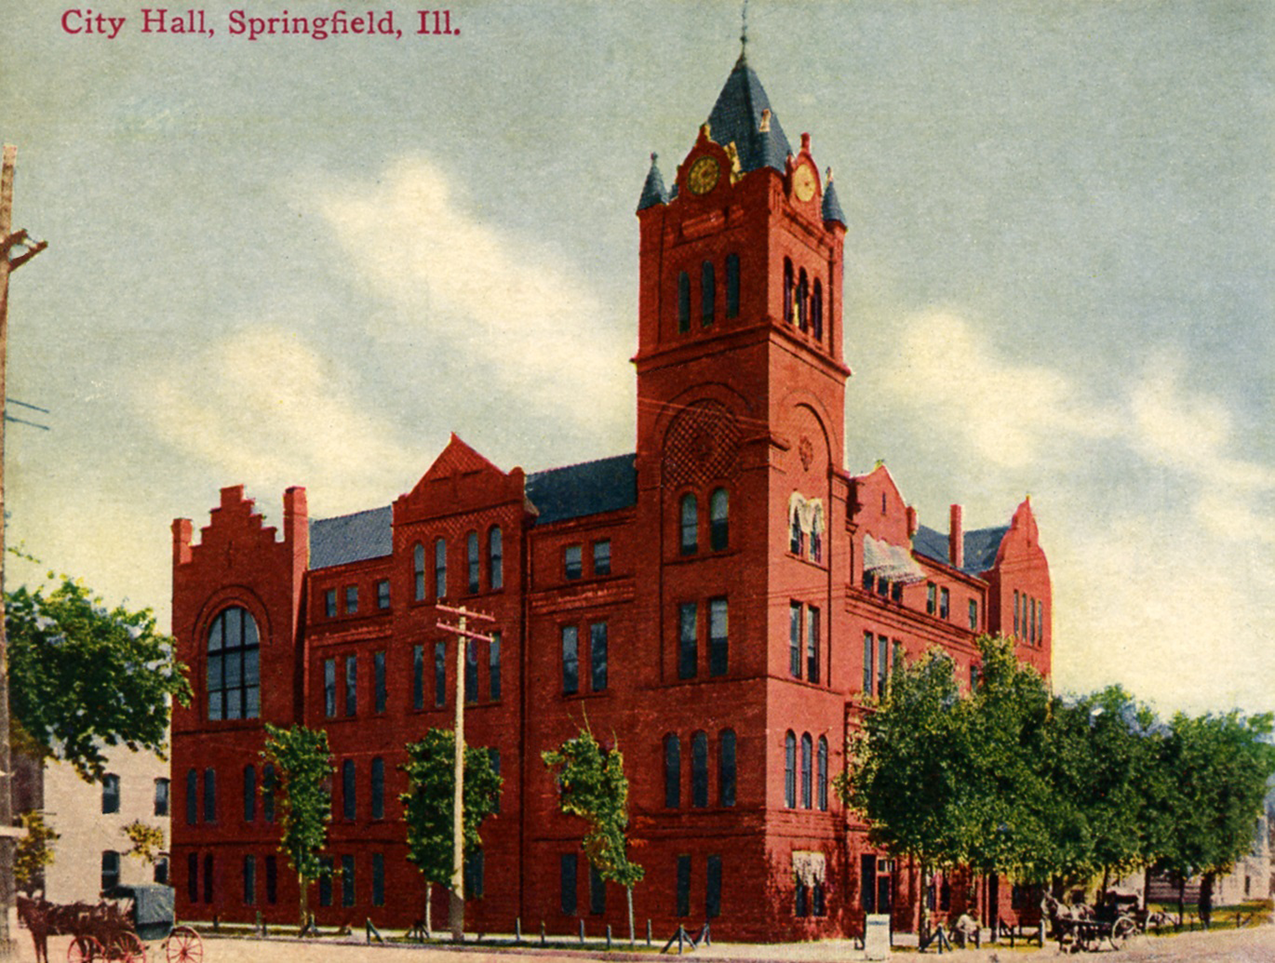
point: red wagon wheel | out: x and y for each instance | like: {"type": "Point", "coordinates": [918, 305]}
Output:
{"type": "Point", "coordinates": [183, 946]}
{"type": "Point", "coordinates": [85, 949]}
{"type": "Point", "coordinates": [127, 948]}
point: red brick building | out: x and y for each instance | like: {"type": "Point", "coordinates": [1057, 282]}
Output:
{"type": "Point", "coordinates": [719, 603]}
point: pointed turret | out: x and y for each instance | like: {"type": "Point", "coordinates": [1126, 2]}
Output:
{"type": "Point", "coordinates": [653, 191]}
{"type": "Point", "coordinates": [742, 116]}
{"type": "Point", "coordinates": [831, 206]}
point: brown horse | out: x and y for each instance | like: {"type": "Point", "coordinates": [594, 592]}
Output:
{"type": "Point", "coordinates": [35, 915]}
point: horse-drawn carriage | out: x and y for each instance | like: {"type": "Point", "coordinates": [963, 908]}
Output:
{"type": "Point", "coordinates": [119, 929]}
{"type": "Point", "coordinates": [1082, 927]}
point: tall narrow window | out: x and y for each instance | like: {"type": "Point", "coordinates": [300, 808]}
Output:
{"type": "Point", "coordinates": [272, 879]}
{"type": "Point", "coordinates": [688, 633]}
{"type": "Point", "coordinates": [732, 285]}
{"type": "Point", "coordinates": [440, 569]}
{"type": "Point", "coordinates": [672, 771]}
{"type": "Point", "coordinates": [790, 770]}
{"type": "Point", "coordinates": [440, 674]}
{"type": "Point", "coordinates": [378, 681]}
{"type": "Point", "coordinates": [718, 639]}
{"type": "Point", "coordinates": [494, 756]}
{"type": "Point", "coordinates": [161, 797]}
{"type": "Point", "coordinates": [803, 288]}
{"type": "Point", "coordinates": [726, 767]}
{"type": "Point", "coordinates": [573, 561]}
{"type": "Point", "coordinates": [209, 874]}
{"type": "Point", "coordinates": [249, 793]}
{"type": "Point", "coordinates": [473, 566]}
{"type": "Point", "coordinates": [567, 881]}
{"type": "Point", "coordinates": [683, 302]}
{"type": "Point", "coordinates": [794, 639]}
{"type": "Point", "coordinates": [683, 885]}
{"type": "Point", "coordinates": [496, 558]}
{"type": "Point", "coordinates": [351, 599]}
{"type": "Point", "coordinates": [347, 879]}
{"type": "Point", "coordinates": [796, 537]}
{"type": "Point", "coordinates": [329, 687]}
{"type": "Point", "coordinates": [249, 880]}
{"type": "Point", "coordinates": [718, 519]}
{"type": "Point", "coordinates": [351, 685]}
{"type": "Point", "coordinates": [598, 655]}
{"type": "Point", "coordinates": [110, 869]}
{"type": "Point", "coordinates": [325, 880]}
{"type": "Point", "coordinates": [418, 677]}
{"type": "Point", "coordinates": [210, 795]}
{"type": "Point", "coordinates": [418, 571]}
{"type": "Point", "coordinates": [806, 774]}
{"type": "Point", "coordinates": [597, 892]}
{"type": "Point", "coordinates": [383, 593]}
{"type": "Point", "coordinates": [945, 603]}
{"type": "Point", "coordinates": [160, 871]}
{"type": "Point", "coordinates": [493, 667]}
{"type": "Point", "coordinates": [699, 769]}
{"type": "Point", "coordinates": [192, 877]}
{"type": "Point", "coordinates": [821, 784]}
{"type": "Point", "coordinates": [233, 688]}
{"type": "Point", "coordinates": [689, 524]}
{"type": "Point", "coordinates": [869, 648]}
{"type": "Point", "coordinates": [349, 794]}
{"type": "Point", "coordinates": [267, 793]}
{"type": "Point", "coordinates": [883, 664]}
{"type": "Point", "coordinates": [602, 557]}
{"type": "Point", "coordinates": [192, 797]}
{"type": "Point", "coordinates": [973, 615]}
{"type": "Point", "coordinates": [110, 793]}
{"type": "Point", "coordinates": [1031, 623]}
{"type": "Point", "coordinates": [707, 293]}
{"type": "Point", "coordinates": [570, 660]}
{"type": "Point", "coordinates": [931, 600]}
{"type": "Point", "coordinates": [812, 643]}
{"type": "Point", "coordinates": [329, 603]}
{"type": "Point", "coordinates": [473, 874]}
{"type": "Point", "coordinates": [378, 879]}
{"type": "Point", "coordinates": [713, 888]}
{"type": "Point", "coordinates": [471, 670]}
{"type": "Point", "coordinates": [1040, 624]}
{"type": "Point", "coordinates": [378, 788]}
{"type": "Point", "coordinates": [816, 311]}
{"type": "Point", "coordinates": [788, 290]}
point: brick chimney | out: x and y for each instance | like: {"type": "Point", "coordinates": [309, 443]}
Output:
{"type": "Point", "coordinates": [956, 540]}
{"type": "Point", "coordinates": [912, 522]}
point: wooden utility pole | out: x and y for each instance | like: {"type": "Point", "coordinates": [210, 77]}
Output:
{"type": "Point", "coordinates": [10, 241]}
{"type": "Point", "coordinates": [456, 904]}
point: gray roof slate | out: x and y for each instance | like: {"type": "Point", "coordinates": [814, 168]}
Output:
{"type": "Point", "coordinates": [351, 538]}
{"type": "Point", "coordinates": [981, 545]}
{"type": "Point", "coordinates": [589, 488]}
{"type": "Point", "coordinates": [737, 117]}
{"type": "Point", "coordinates": [653, 191]}
{"type": "Point", "coordinates": [831, 206]}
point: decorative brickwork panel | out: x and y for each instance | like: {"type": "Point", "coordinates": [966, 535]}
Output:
{"type": "Point", "coordinates": [702, 444]}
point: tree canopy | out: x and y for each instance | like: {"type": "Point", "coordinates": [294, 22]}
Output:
{"type": "Point", "coordinates": [83, 677]}
{"type": "Point", "coordinates": [302, 769]}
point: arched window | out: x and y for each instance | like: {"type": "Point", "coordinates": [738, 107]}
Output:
{"type": "Point", "coordinates": [440, 568]}
{"type": "Point", "coordinates": [821, 784]}
{"type": "Point", "coordinates": [234, 690]}
{"type": "Point", "coordinates": [796, 537]}
{"type": "Point", "coordinates": [249, 793]}
{"type": "Point", "coordinates": [672, 771]}
{"type": "Point", "coordinates": [816, 311]}
{"type": "Point", "coordinates": [267, 792]}
{"type": "Point", "coordinates": [418, 571]}
{"type": "Point", "coordinates": [790, 770]}
{"type": "Point", "coordinates": [689, 516]}
{"type": "Point", "coordinates": [803, 290]}
{"type": "Point", "coordinates": [788, 290]}
{"type": "Point", "coordinates": [496, 558]}
{"type": "Point", "coordinates": [471, 558]}
{"type": "Point", "coordinates": [732, 285]}
{"type": "Point", "coordinates": [718, 519]}
{"type": "Point", "coordinates": [349, 799]}
{"type": "Point", "coordinates": [699, 769]}
{"type": "Point", "coordinates": [210, 795]}
{"type": "Point", "coordinates": [726, 767]}
{"type": "Point", "coordinates": [378, 788]}
{"type": "Point", "coordinates": [806, 774]}
{"type": "Point", "coordinates": [192, 797]}
{"type": "Point", "coordinates": [707, 293]}
{"type": "Point", "coordinates": [683, 302]}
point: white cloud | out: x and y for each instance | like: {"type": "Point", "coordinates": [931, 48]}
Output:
{"type": "Point", "coordinates": [262, 408]}
{"type": "Point", "coordinates": [497, 303]}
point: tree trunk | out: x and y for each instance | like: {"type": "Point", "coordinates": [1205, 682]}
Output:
{"type": "Point", "coordinates": [628, 898]}
{"type": "Point", "coordinates": [1206, 899]}
{"type": "Point", "coordinates": [925, 900]}
{"type": "Point", "coordinates": [429, 909]}
{"type": "Point", "coordinates": [1181, 898]}
{"type": "Point", "coordinates": [304, 900]}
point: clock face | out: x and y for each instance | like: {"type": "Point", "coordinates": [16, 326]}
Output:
{"type": "Point", "coordinates": [703, 176]}
{"type": "Point", "coordinates": [803, 183]}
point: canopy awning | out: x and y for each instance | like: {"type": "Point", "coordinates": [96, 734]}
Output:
{"type": "Point", "coordinates": [892, 562]}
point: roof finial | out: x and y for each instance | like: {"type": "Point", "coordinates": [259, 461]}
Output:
{"type": "Point", "coordinates": [743, 31]}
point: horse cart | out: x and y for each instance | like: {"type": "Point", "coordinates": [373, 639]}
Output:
{"type": "Point", "coordinates": [1083, 927]}
{"type": "Point", "coordinates": [120, 929]}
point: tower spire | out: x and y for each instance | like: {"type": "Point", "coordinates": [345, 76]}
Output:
{"type": "Point", "coordinates": [743, 31]}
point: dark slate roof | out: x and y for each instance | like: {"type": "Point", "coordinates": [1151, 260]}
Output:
{"type": "Point", "coordinates": [586, 489]}
{"type": "Point", "coordinates": [351, 538]}
{"type": "Point", "coordinates": [831, 207]}
{"type": "Point", "coordinates": [980, 547]}
{"type": "Point", "coordinates": [653, 191]}
{"type": "Point", "coordinates": [737, 116]}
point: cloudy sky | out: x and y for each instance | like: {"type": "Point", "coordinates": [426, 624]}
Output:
{"type": "Point", "coordinates": [289, 261]}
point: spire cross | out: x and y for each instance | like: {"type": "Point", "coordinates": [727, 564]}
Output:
{"type": "Point", "coordinates": [743, 30]}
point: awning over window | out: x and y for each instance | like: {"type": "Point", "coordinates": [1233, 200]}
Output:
{"type": "Point", "coordinates": [808, 513]}
{"type": "Point", "coordinates": [892, 562]}
{"type": "Point", "coordinates": [808, 867]}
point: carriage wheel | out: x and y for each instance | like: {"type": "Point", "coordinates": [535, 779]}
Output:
{"type": "Point", "coordinates": [183, 946]}
{"type": "Point", "coordinates": [128, 948]}
{"type": "Point", "coordinates": [1124, 930]}
{"type": "Point", "coordinates": [84, 949]}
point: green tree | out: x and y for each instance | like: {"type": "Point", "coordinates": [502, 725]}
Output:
{"type": "Point", "coordinates": [34, 851]}
{"type": "Point", "coordinates": [83, 677]}
{"type": "Point", "coordinates": [905, 765]}
{"type": "Point", "coordinates": [147, 840]}
{"type": "Point", "coordinates": [592, 785]}
{"type": "Point", "coordinates": [429, 805]}
{"type": "Point", "coordinates": [302, 769]}
{"type": "Point", "coordinates": [1217, 767]}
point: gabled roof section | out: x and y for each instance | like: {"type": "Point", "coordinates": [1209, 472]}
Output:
{"type": "Point", "coordinates": [351, 538]}
{"type": "Point", "coordinates": [458, 458]}
{"type": "Point", "coordinates": [589, 488]}
{"type": "Point", "coordinates": [653, 191]}
{"type": "Point", "coordinates": [737, 118]}
{"type": "Point", "coordinates": [981, 546]}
